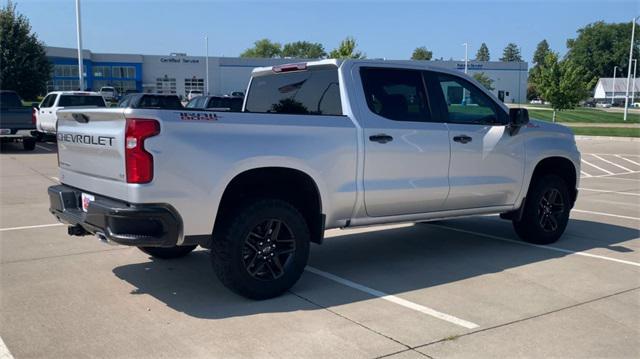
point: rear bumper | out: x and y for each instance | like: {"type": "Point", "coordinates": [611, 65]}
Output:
{"type": "Point", "coordinates": [148, 225]}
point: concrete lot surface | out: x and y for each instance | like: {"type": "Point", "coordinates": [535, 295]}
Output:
{"type": "Point", "coordinates": [465, 288]}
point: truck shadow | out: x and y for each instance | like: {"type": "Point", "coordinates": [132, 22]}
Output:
{"type": "Point", "coordinates": [394, 261]}
{"type": "Point", "coordinates": [15, 148]}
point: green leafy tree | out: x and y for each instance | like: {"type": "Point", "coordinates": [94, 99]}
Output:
{"type": "Point", "coordinates": [542, 50]}
{"type": "Point", "coordinates": [483, 53]}
{"type": "Point", "coordinates": [483, 79]}
{"type": "Point", "coordinates": [601, 46]}
{"type": "Point", "coordinates": [562, 83]}
{"type": "Point", "coordinates": [304, 50]}
{"type": "Point", "coordinates": [263, 48]}
{"type": "Point", "coordinates": [421, 53]}
{"type": "Point", "coordinates": [24, 67]}
{"type": "Point", "coordinates": [511, 53]}
{"type": "Point", "coordinates": [347, 50]}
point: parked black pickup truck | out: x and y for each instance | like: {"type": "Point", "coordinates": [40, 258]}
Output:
{"type": "Point", "coordinates": [16, 121]}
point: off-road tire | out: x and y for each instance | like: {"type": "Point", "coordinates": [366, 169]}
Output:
{"type": "Point", "coordinates": [231, 251]}
{"type": "Point", "coordinates": [530, 227]}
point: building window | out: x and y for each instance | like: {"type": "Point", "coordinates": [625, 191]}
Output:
{"type": "Point", "coordinates": [124, 72]}
{"type": "Point", "coordinates": [65, 70]}
{"type": "Point", "coordinates": [102, 71]}
{"type": "Point", "coordinates": [63, 85]}
{"type": "Point", "coordinates": [166, 85]}
{"type": "Point", "coordinates": [193, 84]}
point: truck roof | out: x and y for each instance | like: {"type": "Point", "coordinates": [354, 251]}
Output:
{"type": "Point", "coordinates": [296, 66]}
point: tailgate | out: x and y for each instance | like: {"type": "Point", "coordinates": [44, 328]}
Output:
{"type": "Point", "coordinates": [16, 118]}
{"type": "Point", "coordinates": [91, 144]}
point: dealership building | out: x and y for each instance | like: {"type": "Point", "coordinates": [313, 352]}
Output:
{"type": "Point", "coordinates": [179, 73]}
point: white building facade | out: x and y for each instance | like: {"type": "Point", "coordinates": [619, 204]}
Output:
{"type": "Point", "coordinates": [179, 73]}
{"type": "Point", "coordinates": [609, 89]}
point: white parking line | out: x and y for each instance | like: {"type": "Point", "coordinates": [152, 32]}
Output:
{"type": "Point", "coordinates": [605, 191]}
{"type": "Point", "coordinates": [594, 166]}
{"type": "Point", "coordinates": [393, 299]}
{"type": "Point", "coordinates": [551, 248]}
{"type": "Point", "coordinates": [4, 351]}
{"type": "Point", "coordinates": [615, 174]}
{"type": "Point", "coordinates": [628, 160]}
{"type": "Point", "coordinates": [30, 227]}
{"type": "Point", "coordinates": [605, 214]}
{"type": "Point", "coordinates": [44, 148]}
{"type": "Point", "coordinates": [612, 163]}
{"type": "Point", "coordinates": [585, 174]}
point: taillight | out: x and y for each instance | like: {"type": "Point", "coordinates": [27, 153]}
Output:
{"type": "Point", "coordinates": [33, 115]}
{"type": "Point", "coordinates": [139, 162]}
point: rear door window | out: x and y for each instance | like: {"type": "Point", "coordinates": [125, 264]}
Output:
{"type": "Point", "coordinates": [395, 94]}
{"type": "Point", "coordinates": [81, 100]}
{"type": "Point", "coordinates": [310, 92]}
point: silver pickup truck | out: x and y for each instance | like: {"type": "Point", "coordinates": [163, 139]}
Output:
{"type": "Point", "coordinates": [319, 145]}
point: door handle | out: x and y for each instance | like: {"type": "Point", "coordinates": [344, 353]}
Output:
{"type": "Point", "coordinates": [463, 139]}
{"type": "Point", "coordinates": [381, 138]}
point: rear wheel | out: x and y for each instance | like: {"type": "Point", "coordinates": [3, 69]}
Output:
{"type": "Point", "coordinates": [29, 143]}
{"type": "Point", "coordinates": [168, 252]}
{"type": "Point", "coordinates": [261, 251]}
{"type": "Point", "coordinates": [546, 211]}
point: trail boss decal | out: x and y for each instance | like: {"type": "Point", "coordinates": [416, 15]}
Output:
{"type": "Point", "coordinates": [198, 116]}
{"type": "Point", "coordinates": [86, 139]}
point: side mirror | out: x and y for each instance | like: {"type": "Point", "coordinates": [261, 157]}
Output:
{"type": "Point", "coordinates": [518, 117]}
{"type": "Point", "coordinates": [35, 105]}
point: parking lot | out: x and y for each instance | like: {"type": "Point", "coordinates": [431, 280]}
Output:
{"type": "Point", "coordinates": [456, 288]}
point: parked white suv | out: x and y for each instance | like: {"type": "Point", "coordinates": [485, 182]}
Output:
{"type": "Point", "coordinates": [319, 145]}
{"type": "Point", "coordinates": [46, 112]}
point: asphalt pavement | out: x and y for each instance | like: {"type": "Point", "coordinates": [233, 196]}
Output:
{"type": "Point", "coordinates": [465, 288]}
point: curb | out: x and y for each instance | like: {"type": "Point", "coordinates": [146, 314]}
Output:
{"type": "Point", "coordinates": [607, 138]}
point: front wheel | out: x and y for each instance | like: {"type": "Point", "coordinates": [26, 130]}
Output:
{"type": "Point", "coordinates": [261, 251]}
{"type": "Point", "coordinates": [546, 211]}
{"type": "Point", "coordinates": [168, 252]}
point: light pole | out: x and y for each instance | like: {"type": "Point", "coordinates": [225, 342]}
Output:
{"type": "Point", "coordinates": [613, 93]}
{"type": "Point", "coordinates": [79, 36]}
{"type": "Point", "coordinates": [206, 63]}
{"type": "Point", "coordinates": [466, 56]}
{"type": "Point", "coordinates": [631, 46]}
{"type": "Point", "coordinates": [633, 86]}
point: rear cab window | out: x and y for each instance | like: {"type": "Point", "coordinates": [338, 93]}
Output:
{"type": "Point", "coordinates": [313, 91]}
{"type": "Point", "coordinates": [10, 99]}
{"type": "Point", "coordinates": [81, 101]}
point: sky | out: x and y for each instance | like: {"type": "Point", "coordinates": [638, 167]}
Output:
{"type": "Point", "coordinates": [383, 29]}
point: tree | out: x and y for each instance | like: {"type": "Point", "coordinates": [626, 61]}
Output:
{"type": "Point", "coordinates": [483, 79]}
{"type": "Point", "coordinates": [24, 67]}
{"type": "Point", "coordinates": [304, 50]}
{"type": "Point", "coordinates": [263, 49]}
{"type": "Point", "coordinates": [421, 53]}
{"type": "Point", "coordinates": [483, 53]}
{"type": "Point", "coordinates": [601, 46]}
{"type": "Point", "coordinates": [562, 83]}
{"type": "Point", "coordinates": [346, 50]}
{"type": "Point", "coordinates": [511, 53]}
{"type": "Point", "coordinates": [542, 50]}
